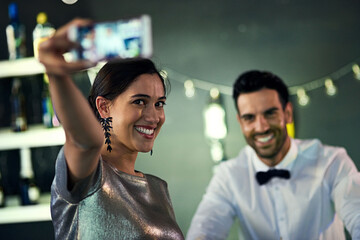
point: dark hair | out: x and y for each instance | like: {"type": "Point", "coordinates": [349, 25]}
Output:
{"type": "Point", "coordinates": [117, 75]}
{"type": "Point", "coordinates": [255, 80]}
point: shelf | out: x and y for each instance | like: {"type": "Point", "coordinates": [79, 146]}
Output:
{"type": "Point", "coordinates": [20, 67]}
{"type": "Point", "coordinates": [31, 66]}
{"type": "Point", "coordinates": [24, 66]}
{"type": "Point", "coordinates": [14, 213]}
{"type": "Point", "coordinates": [35, 136]}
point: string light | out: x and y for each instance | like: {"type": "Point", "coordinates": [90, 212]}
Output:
{"type": "Point", "coordinates": [164, 74]}
{"type": "Point", "coordinates": [300, 90]}
{"type": "Point", "coordinates": [200, 84]}
{"type": "Point", "coordinates": [189, 88]}
{"type": "Point", "coordinates": [214, 93]}
{"type": "Point", "coordinates": [214, 113]}
{"type": "Point", "coordinates": [331, 89]}
{"type": "Point", "coordinates": [303, 98]}
{"type": "Point", "coordinates": [356, 70]}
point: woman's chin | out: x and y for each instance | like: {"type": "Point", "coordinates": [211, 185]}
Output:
{"type": "Point", "coordinates": [147, 149]}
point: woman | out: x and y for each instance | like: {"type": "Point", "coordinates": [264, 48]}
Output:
{"type": "Point", "coordinates": [96, 192]}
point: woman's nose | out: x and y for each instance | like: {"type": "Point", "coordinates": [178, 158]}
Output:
{"type": "Point", "coordinates": [151, 114]}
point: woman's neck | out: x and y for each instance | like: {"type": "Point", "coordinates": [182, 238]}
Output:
{"type": "Point", "coordinates": [123, 161]}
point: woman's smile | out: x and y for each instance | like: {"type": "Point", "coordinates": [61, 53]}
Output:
{"type": "Point", "coordinates": [145, 131]}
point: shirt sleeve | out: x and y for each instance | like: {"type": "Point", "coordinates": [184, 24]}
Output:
{"type": "Point", "coordinates": [215, 213]}
{"type": "Point", "coordinates": [346, 191]}
{"type": "Point", "coordinates": [81, 189]}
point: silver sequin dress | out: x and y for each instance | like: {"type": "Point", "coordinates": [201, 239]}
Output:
{"type": "Point", "coordinates": [111, 204]}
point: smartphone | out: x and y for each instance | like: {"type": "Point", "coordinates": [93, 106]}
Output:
{"type": "Point", "coordinates": [130, 38]}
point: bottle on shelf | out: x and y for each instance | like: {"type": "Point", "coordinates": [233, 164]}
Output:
{"type": "Point", "coordinates": [42, 31]}
{"type": "Point", "coordinates": [29, 192]}
{"type": "Point", "coordinates": [18, 113]}
{"type": "Point", "coordinates": [15, 34]}
{"type": "Point", "coordinates": [47, 109]}
{"type": "Point", "coordinates": [49, 117]}
{"type": "Point", "coordinates": [2, 193]}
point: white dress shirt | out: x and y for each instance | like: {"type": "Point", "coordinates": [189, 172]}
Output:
{"type": "Point", "coordinates": [322, 193]}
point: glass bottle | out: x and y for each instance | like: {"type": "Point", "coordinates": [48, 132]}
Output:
{"type": "Point", "coordinates": [18, 113]}
{"type": "Point", "coordinates": [15, 34]}
{"type": "Point", "coordinates": [42, 31]}
{"type": "Point", "coordinates": [47, 108]}
{"type": "Point", "coordinates": [29, 192]}
{"type": "Point", "coordinates": [2, 193]}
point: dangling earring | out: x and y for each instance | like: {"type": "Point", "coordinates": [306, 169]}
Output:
{"type": "Point", "coordinates": [151, 152]}
{"type": "Point", "coordinates": [106, 124]}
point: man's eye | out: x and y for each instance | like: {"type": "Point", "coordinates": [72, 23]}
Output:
{"type": "Point", "coordinates": [270, 113]}
{"type": "Point", "coordinates": [248, 118]}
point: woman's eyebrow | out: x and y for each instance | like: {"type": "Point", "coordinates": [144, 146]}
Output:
{"type": "Point", "coordinates": [146, 96]}
{"type": "Point", "coordinates": [140, 95]}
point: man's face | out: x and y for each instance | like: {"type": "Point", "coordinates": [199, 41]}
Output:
{"type": "Point", "coordinates": [263, 122]}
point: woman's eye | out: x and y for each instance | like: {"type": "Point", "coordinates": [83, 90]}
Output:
{"type": "Point", "coordinates": [160, 104]}
{"type": "Point", "coordinates": [139, 101]}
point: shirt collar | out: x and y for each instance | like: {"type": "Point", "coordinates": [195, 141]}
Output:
{"type": "Point", "coordinates": [286, 163]}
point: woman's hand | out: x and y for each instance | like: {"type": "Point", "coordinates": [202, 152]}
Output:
{"type": "Point", "coordinates": [51, 51]}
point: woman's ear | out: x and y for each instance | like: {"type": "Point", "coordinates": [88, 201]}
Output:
{"type": "Point", "coordinates": [102, 105]}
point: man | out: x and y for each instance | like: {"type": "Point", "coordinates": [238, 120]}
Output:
{"type": "Point", "coordinates": [278, 187]}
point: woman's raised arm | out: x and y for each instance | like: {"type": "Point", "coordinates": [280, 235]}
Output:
{"type": "Point", "coordinates": [84, 136]}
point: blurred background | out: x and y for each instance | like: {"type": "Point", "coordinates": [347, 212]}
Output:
{"type": "Point", "coordinates": [210, 43]}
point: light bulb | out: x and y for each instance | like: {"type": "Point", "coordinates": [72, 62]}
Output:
{"type": "Point", "coordinates": [69, 1]}
{"type": "Point", "coordinates": [189, 88]}
{"type": "Point", "coordinates": [164, 74]}
{"type": "Point", "coordinates": [303, 98]}
{"type": "Point", "coordinates": [356, 70]}
{"type": "Point", "coordinates": [331, 89]}
{"type": "Point", "coordinates": [214, 93]}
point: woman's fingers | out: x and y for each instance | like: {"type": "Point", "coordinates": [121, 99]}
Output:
{"type": "Point", "coordinates": [75, 22]}
{"type": "Point", "coordinates": [51, 51]}
{"type": "Point", "coordinates": [60, 42]}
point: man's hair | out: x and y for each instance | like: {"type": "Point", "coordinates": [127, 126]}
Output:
{"type": "Point", "coordinates": [252, 81]}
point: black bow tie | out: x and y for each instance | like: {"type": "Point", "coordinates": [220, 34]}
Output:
{"type": "Point", "coordinates": [264, 177]}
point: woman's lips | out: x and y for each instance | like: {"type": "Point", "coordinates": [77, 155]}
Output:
{"type": "Point", "coordinates": [147, 132]}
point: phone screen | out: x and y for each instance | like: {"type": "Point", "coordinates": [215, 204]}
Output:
{"type": "Point", "coordinates": [124, 38]}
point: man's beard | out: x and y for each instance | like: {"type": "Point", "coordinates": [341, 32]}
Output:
{"type": "Point", "coordinates": [280, 135]}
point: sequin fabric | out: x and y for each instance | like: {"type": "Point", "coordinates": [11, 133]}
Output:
{"type": "Point", "coordinates": [112, 205]}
